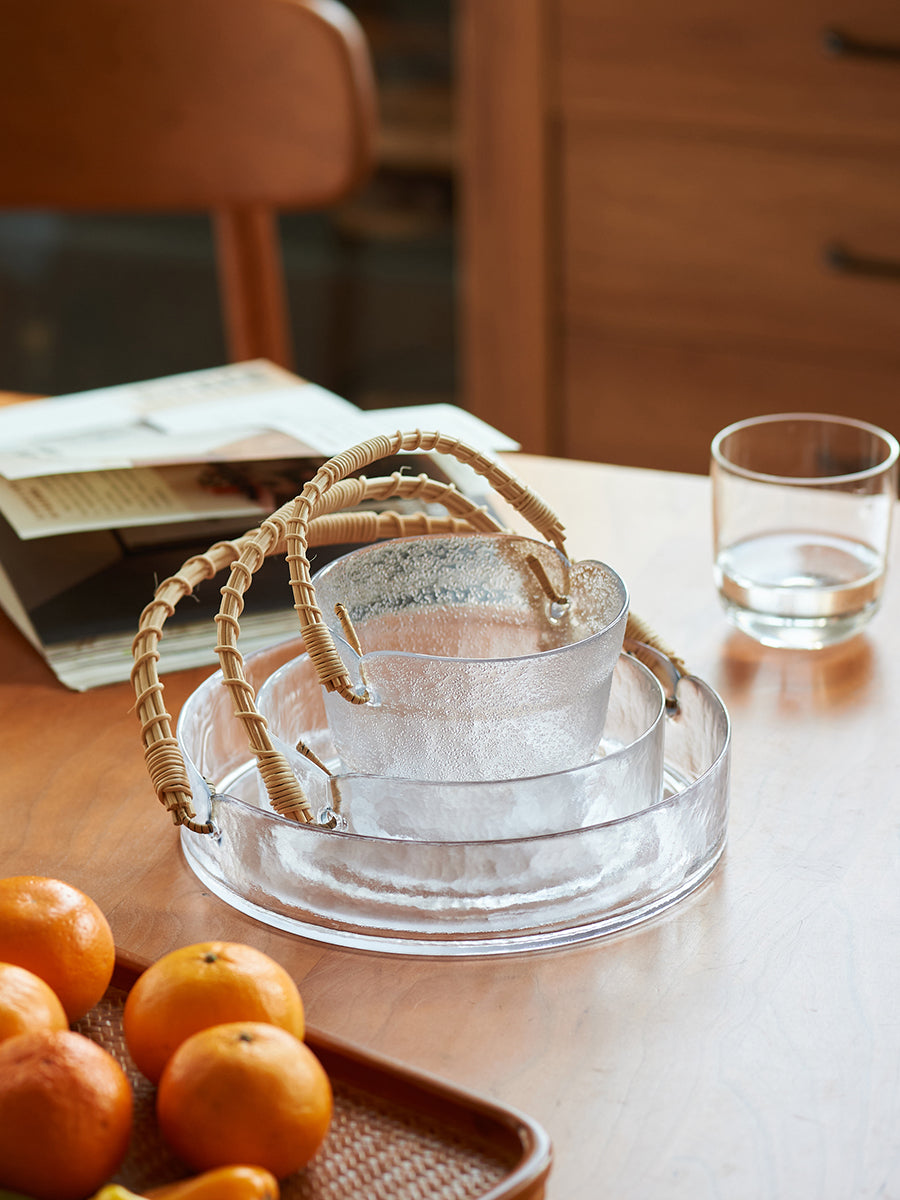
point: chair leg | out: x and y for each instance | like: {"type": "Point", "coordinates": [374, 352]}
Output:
{"type": "Point", "coordinates": [251, 282]}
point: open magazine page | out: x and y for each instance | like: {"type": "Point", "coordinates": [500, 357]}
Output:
{"type": "Point", "coordinates": [104, 494]}
{"type": "Point", "coordinates": [55, 504]}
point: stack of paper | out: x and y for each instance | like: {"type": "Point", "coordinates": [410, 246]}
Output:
{"type": "Point", "coordinates": [104, 493]}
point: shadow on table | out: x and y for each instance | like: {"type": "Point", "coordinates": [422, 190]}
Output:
{"type": "Point", "coordinates": [819, 679]}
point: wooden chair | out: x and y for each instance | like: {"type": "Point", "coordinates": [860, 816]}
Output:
{"type": "Point", "coordinates": [236, 107]}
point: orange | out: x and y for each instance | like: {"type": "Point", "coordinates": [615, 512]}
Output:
{"type": "Point", "coordinates": [221, 1183]}
{"type": "Point", "coordinates": [27, 1003]}
{"type": "Point", "coordinates": [206, 984]}
{"type": "Point", "coordinates": [245, 1092]}
{"type": "Point", "coordinates": [60, 934]}
{"type": "Point", "coordinates": [65, 1115]}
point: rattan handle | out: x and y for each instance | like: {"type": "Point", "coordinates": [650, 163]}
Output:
{"type": "Point", "coordinates": [282, 786]}
{"type": "Point", "coordinates": [161, 753]}
{"type": "Point", "coordinates": [317, 637]}
{"type": "Point", "coordinates": [164, 761]}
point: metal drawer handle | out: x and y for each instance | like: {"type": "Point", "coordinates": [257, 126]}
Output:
{"type": "Point", "coordinates": [837, 42]}
{"type": "Point", "coordinates": [839, 258]}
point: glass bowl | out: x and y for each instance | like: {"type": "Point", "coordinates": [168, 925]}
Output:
{"type": "Point", "coordinates": [472, 668]}
{"type": "Point", "coordinates": [625, 773]}
{"type": "Point", "coordinates": [414, 893]}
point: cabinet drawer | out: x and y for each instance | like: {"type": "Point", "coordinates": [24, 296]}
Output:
{"type": "Point", "coordinates": [659, 405]}
{"type": "Point", "coordinates": [762, 66]}
{"type": "Point", "coordinates": [709, 240]}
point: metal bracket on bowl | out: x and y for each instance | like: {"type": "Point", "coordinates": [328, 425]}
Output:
{"type": "Point", "coordinates": [665, 665]}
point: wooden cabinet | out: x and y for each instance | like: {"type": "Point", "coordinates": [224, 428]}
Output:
{"type": "Point", "coordinates": [674, 216]}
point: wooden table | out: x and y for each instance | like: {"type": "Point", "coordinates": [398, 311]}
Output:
{"type": "Point", "coordinates": [746, 1044]}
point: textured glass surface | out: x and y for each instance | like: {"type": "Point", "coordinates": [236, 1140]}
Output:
{"type": "Point", "coordinates": [626, 774]}
{"type": "Point", "coordinates": [472, 670]}
{"type": "Point", "coordinates": [459, 897]}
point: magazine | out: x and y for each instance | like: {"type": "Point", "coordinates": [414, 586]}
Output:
{"type": "Point", "coordinates": [103, 494]}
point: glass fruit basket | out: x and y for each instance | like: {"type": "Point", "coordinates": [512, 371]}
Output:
{"type": "Point", "coordinates": [478, 750]}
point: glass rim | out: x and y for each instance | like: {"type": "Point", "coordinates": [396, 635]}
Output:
{"type": "Point", "coordinates": [375, 548]}
{"type": "Point", "coordinates": [892, 450]}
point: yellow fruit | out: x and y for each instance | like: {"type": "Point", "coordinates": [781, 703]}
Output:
{"type": "Point", "coordinates": [245, 1092]}
{"type": "Point", "coordinates": [206, 984]}
{"type": "Point", "coordinates": [27, 1003]}
{"type": "Point", "coordinates": [222, 1183]}
{"type": "Point", "coordinates": [59, 934]}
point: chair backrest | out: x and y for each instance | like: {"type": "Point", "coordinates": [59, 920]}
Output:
{"type": "Point", "coordinates": [236, 107]}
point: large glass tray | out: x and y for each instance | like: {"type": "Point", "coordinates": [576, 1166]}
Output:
{"type": "Point", "coordinates": [455, 897]}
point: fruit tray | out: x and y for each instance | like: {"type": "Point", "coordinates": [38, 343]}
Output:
{"type": "Point", "coordinates": [396, 1133]}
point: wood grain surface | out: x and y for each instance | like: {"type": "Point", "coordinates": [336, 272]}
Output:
{"type": "Point", "coordinates": [652, 194]}
{"type": "Point", "coordinates": [506, 282]}
{"type": "Point", "coordinates": [744, 1045]}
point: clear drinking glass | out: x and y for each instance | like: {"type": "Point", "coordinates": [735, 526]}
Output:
{"type": "Point", "coordinates": [802, 506]}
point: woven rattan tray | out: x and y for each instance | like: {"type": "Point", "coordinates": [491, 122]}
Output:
{"type": "Point", "coordinates": [396, 1134]}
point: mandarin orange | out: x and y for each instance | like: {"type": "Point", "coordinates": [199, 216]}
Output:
{"type": "Point", "coordinates": [59, 934]}
{"type": "Point", "coordinates": [27, 1003]}
{"type": "Point", "coordinates": [221, 1183]}
{"type": "Point", "coordinates": [201, 985]}
{"type": "Point", "coordinates": [65, 1115]}
{"type": "Point", "coordinates": [244, 1092]}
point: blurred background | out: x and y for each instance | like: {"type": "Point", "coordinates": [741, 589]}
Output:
{"type": "Point", "coordinates": [94, 300]}
{"type": "Point", "coordinates": [609, 229]}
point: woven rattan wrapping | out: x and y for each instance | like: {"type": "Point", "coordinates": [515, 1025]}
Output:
{"type": "Point", "coordinates": [322, 523]}
{"type": "Point", "coordinates": [164, 762]}
{"type": "Point", "coordinates": [376, 1149]}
